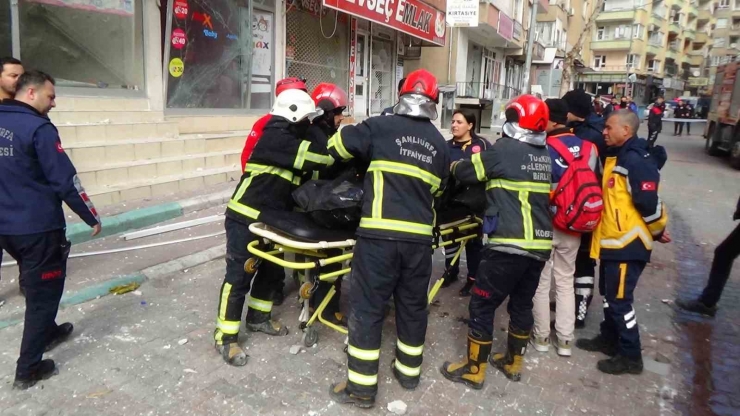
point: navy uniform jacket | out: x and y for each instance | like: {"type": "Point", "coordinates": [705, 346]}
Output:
{"type": "Point", "coordinates": [464, 150]}
{"type": "Point", "coordinates": [36, 176]}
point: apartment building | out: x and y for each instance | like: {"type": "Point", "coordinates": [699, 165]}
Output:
{"type": "Point", "coordinates": [557, 31]}
{"type": "Point", "coordinates": [483, 66]}
{"type": "Point", "coordinates": [643, 48]}
{"type": "Point", "coordinates": [724, 27]}
{"type": "Point", "coordinates": [700, 70]}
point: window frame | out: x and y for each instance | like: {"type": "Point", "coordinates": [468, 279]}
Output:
{"type": "Point", "coordinates": [602, 61]}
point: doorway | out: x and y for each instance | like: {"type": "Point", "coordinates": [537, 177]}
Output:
{"type": "Point", "coordinates": [361, 75]}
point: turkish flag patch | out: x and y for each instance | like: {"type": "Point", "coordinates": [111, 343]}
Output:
{"type": "Point", "coordinates": [60, 149]}
{"type": "Point", "coordinates": [648, 186]}
{"type": "Point", "coordinates": [475, 149]}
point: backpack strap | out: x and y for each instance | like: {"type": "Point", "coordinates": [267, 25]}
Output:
{"type": "Point", "coordinates": [562, 150]}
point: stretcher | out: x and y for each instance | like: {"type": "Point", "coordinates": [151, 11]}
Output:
{"type": "Point", "coordinates": [295, 233]}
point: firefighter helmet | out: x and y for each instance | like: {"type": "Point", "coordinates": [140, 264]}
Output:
{"type": "Point", "coordinates": [295, 106]}
{"type": "Point", "coordinates": [329, 97]}
{"type": "Point", "coordinates": [421, 82]}
{"type": "Point", "coordinates": [529, 112]}
{"type": "Point", "coordinates": [291, 83]}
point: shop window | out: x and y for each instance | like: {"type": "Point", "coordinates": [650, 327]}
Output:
{"type": "Point", "coordinates": [210, 55]}
{"type": "Point", "coordinates": [98, 45]}
{"type": "Point", "coordinates": [6, 39]}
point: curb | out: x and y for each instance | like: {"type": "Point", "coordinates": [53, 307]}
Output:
{"type": "Point", "coordinates": [102, 289]}
{"type": "Point", "coordinates": [80, 232]}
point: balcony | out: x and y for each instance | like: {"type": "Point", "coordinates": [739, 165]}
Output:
{"type": "Point", "coordinates": [689, 34]}
{"type": "Point", "coordinates": [658, 17]}
{"type": "Point", "coordinates": [654, 48]}
{"type": "Point", "coordinates": [704, 15]}
{"type": "Point", "coordinates": [701, 37]}
{"type": "Point", "coordinates": [611, 45]}
{"type": "Point", "coordinates": [692, 10]}
{"type": "Point", "coordinates": [674, 28]}
{"type": "Point", "coordinates": [671, 54]}
{"type": "Point", "coordinates": [696, 60]}
{"type": "Point", "coordinates": [616, 16]}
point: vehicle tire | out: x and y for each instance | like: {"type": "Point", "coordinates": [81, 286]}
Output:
{"type": "Point", "coordinates": [735, 155]}
{"type": "Point", "coordinates": [712, 145]}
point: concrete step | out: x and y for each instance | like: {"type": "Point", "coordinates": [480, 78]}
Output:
{"type": "Point", "coordinates": [104, 153]}
{"type": "Point", "coordinates": [161, 186]}
{"type": "Point", "coordinates": [62, 118]}
{"type": "Point", "coordinates": [213, 124]}
{"type": "Point", "coordinates": [67, 104]}
{"type": "Point", "coordinates": [115, 174]}
{"type": "Point", "coordinates": [73, 134]}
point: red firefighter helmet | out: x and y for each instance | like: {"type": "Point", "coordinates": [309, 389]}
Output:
{"type": "Point", "coordinates": [529, 112]}
{"type": "Point", "coordinates": [421, 82]}
{"type": "Point", "coordinates": [329, 97]}
{"type": "Point", "coordinates": [291, 83]}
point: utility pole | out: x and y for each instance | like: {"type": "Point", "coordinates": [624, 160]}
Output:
{"type": "Point", "coordinates": [530, 46]}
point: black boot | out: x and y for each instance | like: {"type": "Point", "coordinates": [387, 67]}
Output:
{"type": "Point", "coordinates": [510, 362]}
{"type": "Point", "coordinates": [471, 371]}
{"type": "Point", "coordinates": [45, 370]}
{"type": "Point", "coordinates": [339, 393]}
{"type": "Point", "coordinates": [469, 283]}
{"type": "Point", "coordinates": [448, 280]}
{"type": "Point", "coordinates": [620, 364]}
{"type": "Point", "coordinates": [597, 344]}
{"type": "Point", "coordinates": [696, 306]}
{"type": "Point", "coordinates": [278, 297]}
{"type": "Point", "coordinates": [63, 332]}
{"type": "Point", "coordinates": [408, 383]}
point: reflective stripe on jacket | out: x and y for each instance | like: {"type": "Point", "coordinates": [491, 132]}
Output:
{"type": "Point", "coordinates": [634, 215]}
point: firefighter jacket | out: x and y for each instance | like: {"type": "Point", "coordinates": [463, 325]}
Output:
{"type": "Point", "coordinates": [408, 165]}
{"type": "Point", "coordinates": [464, 150]}
{"type": "Point", "coordinates": [274, 170]}
{"type": "Point", "coordinates": [253, 138]}
{"type": "Point", "coordinates": [517, 177]}
{"type": "Point", "coordinates": [36, 175]}
{"type": "Point", "coordinates": [634, 215]}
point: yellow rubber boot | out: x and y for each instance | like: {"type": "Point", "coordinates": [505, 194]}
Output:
{"type": "Point", "coordinates": [470, 371]}
{"type": "Point", "coordinates": [510, 362]}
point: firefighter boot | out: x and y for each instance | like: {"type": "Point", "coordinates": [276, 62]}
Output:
{"type": "Point", "coordinates": [472, 370]}
{"type": "Point", "coordinates": [469, 283]}
{"type": "Point", "coordinates": [339, 393]}
{"type": "Point", "coordinates": [510, 362]}
{"type": "Point", "coordinates": [258, 321]}
{"type": "Point", "coordinates": [232, 354]}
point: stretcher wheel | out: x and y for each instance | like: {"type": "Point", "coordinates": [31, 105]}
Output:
{"type": "Point", "coordinates": [305, 290]}
{"type": "Point", "coordinates": [310, 337]}
{"type": "Point", "coordinates": [250, 266]}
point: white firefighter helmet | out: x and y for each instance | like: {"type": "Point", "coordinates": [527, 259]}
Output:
{"type": "Point", "coordinates": [295, 106]}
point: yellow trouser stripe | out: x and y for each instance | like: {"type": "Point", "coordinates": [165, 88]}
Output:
{"type": "Point", "coordinates": [365, 355]}
{"type": "Point", "coordinates": [377, 194]}
{"type": "Point", "coordinates": [408, 371]}
{"type": "Point", "coordinates": [362, 379]}
{"type": "Point", "coordinates": [396, 225]}
{"type": "Point", "coordinates": [526, 215]}
{"type": "Point", "coordinates": [254, 168]}
{"type": "Point", "coordinates": [518, 186]}
{"type": "Point", "coordinates": [245, 210]}
{"type": "Point", "coordinates": [301, 155]}
{"type": "Point", "coordinates": [480, 170]}
{"type": "Point", "coordinates": [259, 304]}
{"type": "Point", "coordinates": [409, 350]}
{"type": "Point", "coordinates": [622, 278]}
{"type": "Point", "coordinates": [225, 292]}
{"type": "Point", "coordinates": [336, 143]}
{"type": "Point", "coordinates": [408, 170]}
{"type": "Point", "coordinates": [228, 327]}
{"type": "Point", "coordinates": [525, 244]}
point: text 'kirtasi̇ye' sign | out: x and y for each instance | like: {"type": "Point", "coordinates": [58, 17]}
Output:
{"type": "Point", "coordinates": [462, 13]}
{"type": "Point", "coordinates": [412, 17]}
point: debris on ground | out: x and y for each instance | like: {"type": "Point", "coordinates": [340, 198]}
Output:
{"type": "Point", "coordinates": [667, 393]}
{"type": "Point", "coordinates": [667, 301]}
{"type": "Point", "coordinates": [295, 349]}
{"type": "Point", "coordinates": [190, 370]}
{"type": "Point", "coordinates": [182, 342]}
{"type": "Point", "coordinates": [137, 292]}
{"type": "Point", "coordinates": [120, 290]}
{"type": "Point", "coordinates": [397, 407]}
{"type": "Point", "coordinates": [662, 358]}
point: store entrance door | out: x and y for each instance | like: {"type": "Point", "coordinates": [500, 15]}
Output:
{"type": "Point", "coordinates": [361, 75]}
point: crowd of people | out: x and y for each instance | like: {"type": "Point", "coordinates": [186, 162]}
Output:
{"type": "Point", "coordinates": [564, 187]}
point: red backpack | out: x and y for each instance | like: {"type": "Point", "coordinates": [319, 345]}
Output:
{"type": "Point", "coordinates": [578, 200]}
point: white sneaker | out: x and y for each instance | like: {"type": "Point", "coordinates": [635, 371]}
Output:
{"type": "Point", "coordinates": [540, 344]}
{"type": "Point", "coordinates": [564, 348]}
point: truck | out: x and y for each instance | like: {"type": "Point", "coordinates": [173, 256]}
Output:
{"type": "Point", "coordinates": [722, 131]}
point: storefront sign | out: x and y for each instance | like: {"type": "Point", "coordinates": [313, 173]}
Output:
{"type": "Point", "coordinates": [181, 9]}
{"type": "Point", "coordinates": [462, 13]}
{"type": "Point", "coordinates": [177, 67]}
{"type": "Point", "coordinates": [352, 64]}
{"type": "Point", "coordinates": [505, 26]}
{"type": "Point", "coordinates": [178, 38]}
{"type": "Point", "coordinates": [409, 16]}
{"type": "Point", "coordinates": [121, 7]}
{"type": "Point", "coordinates": [698, 82]}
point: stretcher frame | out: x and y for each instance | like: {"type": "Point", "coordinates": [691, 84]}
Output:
{"type": "Point", "coordinates": [273, 245]}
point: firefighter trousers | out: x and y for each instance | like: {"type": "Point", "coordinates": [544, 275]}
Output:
{"type": "Point", "coordinates": [42, 260]}
{"type": "Point", "coordinates": [238, 283]}
{"type": "Point", "coordinates": [503, 275]}
{"type": "Point", "coordinates": [584, 279]}
{"type": "Point", "coordinates": [472, 257]}
{"type": "Point", "coordinates": [381, 268]}
{"type": "Point", "coordinates": [617, 283]}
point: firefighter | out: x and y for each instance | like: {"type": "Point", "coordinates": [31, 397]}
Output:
{"type": "Point", "coordinates": [519, 229]}
{"type": "Point", "coordinates": [633, 218]}
{"type": "Point", "coordinates": [254, 136]}
{"type": "Point", "coordinates": [408, 165]}
{"type": "Point", "coordinates": [273, 170]}
{"type": "Point", "coordinates": [333, 101]}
